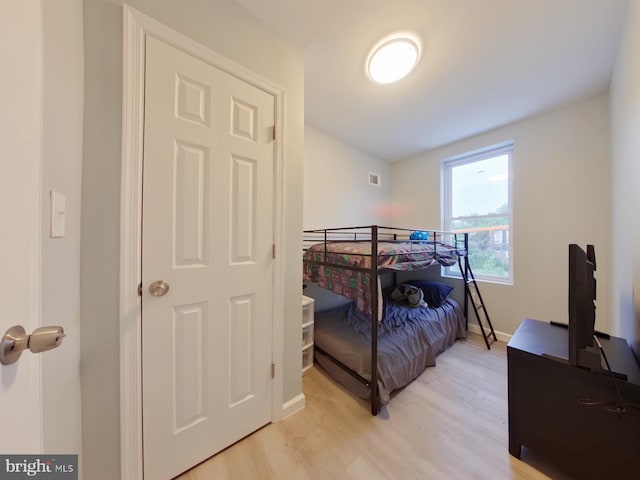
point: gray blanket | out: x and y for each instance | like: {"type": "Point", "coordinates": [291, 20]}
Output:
{"type": "Point", "coordinates": [408, 341]}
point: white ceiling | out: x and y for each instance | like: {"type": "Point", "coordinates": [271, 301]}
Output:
{"type": "Point", "coordinates": [485, 63]}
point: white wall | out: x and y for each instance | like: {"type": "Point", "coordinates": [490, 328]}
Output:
{"type": "Point", "coordinates": [62, 171]}
{"type": "Point", "coordinates": [336, 184]}
{"type": "Point", "coordinates": [625, 151]}
{"type": "Point", "coordinates": [226, 28]}
{"type": "Point", "coordinates": [561, 195]}
{"type": "Point", "coordinates": [337, 193]}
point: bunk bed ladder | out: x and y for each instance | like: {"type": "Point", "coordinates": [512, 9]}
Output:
{"type": "Point", "coordinates": [474, 296]}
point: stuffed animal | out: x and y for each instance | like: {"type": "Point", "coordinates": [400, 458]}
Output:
{"type": "Point", "coordinates": [413, 295]}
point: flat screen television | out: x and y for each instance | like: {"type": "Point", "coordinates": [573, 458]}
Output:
{"type": "Point", "coordinates": [582, 307]}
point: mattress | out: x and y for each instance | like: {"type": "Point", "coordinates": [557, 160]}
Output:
{"type": "Point", "coordinates": [409, 339]}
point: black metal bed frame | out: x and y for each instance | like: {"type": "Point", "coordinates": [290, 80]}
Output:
{"type": "Point", "coordinates": [373, 233]}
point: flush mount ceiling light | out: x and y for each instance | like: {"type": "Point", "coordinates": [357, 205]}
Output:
{"type": "Point", "coordinates": [393, 58]}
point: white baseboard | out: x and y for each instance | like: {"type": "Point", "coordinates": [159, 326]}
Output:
{"type": "Point", "coordinates": [502, 337]}
{"type": "Point", "coordinates": [292, 406]}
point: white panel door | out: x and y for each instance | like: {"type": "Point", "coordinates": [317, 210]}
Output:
{"type": "Point", "coordinates": [208, 232]}
{"type": "Point", "coordinates": [20, 171]}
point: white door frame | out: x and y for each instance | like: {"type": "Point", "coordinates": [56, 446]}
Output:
{"type": "Point", "coordinates": [136, 27]}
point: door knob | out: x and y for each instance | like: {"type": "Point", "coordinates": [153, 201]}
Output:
{"type": "Point", "coordinates": [158, 288]}
{"type": "Point", "coordinates": [16, 340]}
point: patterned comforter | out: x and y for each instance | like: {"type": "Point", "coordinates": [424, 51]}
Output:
{"type": "Point", "coordinates": [334, 268]}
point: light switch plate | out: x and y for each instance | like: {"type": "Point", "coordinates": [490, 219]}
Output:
{"type": "Point", "coordinates": [58, 214]}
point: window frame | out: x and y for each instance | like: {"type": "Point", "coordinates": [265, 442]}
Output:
{"type": "Point", "coordinates": [447, 165]}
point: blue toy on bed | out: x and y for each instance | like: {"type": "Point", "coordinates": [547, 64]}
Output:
{"type": "Point", "coordinates": [413, 295]}
{"type": "Point", "coordinates": [419, 235]}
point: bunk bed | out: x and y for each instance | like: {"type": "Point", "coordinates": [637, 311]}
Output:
{"type": "Point", "coordinates": [371, 345]}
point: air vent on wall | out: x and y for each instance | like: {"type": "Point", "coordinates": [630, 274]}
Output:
{"type": "Point", "coordinates": [374, 179]}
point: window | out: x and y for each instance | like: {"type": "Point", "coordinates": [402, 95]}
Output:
{"type": "Point", "coordinates": [477, 199]}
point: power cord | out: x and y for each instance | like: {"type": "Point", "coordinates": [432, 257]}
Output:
{"type": "Point", "coordinates": [618, 407]}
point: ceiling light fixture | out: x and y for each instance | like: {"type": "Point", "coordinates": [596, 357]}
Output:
{"type": "Point", "coordinates": [393, 58]}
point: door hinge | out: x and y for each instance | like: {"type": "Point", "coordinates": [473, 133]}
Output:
{"type": "Point", "coordinates": [273, 251]}
{"type": "Point", "coordinates": [274, 132]}
{"type": "Point", "coordinates": [140, 289]}
{"type": "Point", "coordinates": [273, 370]}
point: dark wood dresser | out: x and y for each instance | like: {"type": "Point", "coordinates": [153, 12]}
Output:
{"type": "Point", "coordinates": [567, 413]}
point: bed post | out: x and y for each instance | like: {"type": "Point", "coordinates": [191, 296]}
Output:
{"type": "Point", "coordinates": [466, 280]}
{"type": "Point", "coordinates": [325, 246]}
{"type": "Point", "coordinates": [374, 320]}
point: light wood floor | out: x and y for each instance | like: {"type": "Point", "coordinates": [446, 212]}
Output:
{"type": "Point", "coordinates": [451, 423]}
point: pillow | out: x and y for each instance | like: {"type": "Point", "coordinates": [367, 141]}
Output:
{"type": "Point", "coordinates": [435, 293]}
